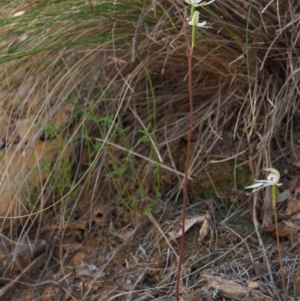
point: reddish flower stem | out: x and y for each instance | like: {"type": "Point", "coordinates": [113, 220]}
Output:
{"type": "Point", "coordinates": [189, 52]}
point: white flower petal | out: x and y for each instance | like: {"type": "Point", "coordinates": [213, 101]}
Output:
{"type": "Point", "coordinates": [255, 185]}
{"type": "Point", "coordinates": [264, 181]}
{"type": "Point", "coordinates": [198, 2]}
{"type": "Point", "coordinates": [201, 24]}
{"type": "Point", "coordinates": [204, 3]}
{"type": "Point", "coordinates": [193, 2]}
{"type": "Point", "coordinates": [260, 183]}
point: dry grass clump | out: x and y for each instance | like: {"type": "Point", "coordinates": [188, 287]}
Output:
{"type": "Point", "coordinates": [108, 90]}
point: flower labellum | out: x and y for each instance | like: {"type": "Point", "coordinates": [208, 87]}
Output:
{"type": "Point", "coordinates": [274, 176]}
{"type": "Point", "coordinates": [272, 179]}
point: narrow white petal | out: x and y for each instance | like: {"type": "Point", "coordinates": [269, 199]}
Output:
{"type": "Point", "coordinates": [264, 181]}
{"type": "Point", "coordinates": [265, 185]}
{"type": "Point", "coordinates": [255, 185]}
{"type": "Point", "coordinates": [193, 2]}
{"type": "Point", "coordinates": [204, 3]}
{"type": "Point", "coordinates": [257, 189]}
{"type": "Point", "coordinates": [201, 24]}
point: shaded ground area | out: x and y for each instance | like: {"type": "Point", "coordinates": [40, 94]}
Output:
{"type": "Point", "coordinates": [93, 128]}
{"type": "Point", "coordinates": [112, 255]}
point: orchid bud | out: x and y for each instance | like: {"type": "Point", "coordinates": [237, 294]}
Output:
{"type": "Point", "coordinates": [195, 20]}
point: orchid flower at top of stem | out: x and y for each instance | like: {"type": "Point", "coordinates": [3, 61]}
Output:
{"type": "Point", "coordinates": [272, 180]}
{"type": "Point", "coordinates": [194, 19]}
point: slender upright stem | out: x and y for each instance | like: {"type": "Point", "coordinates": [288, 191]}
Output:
{"type": "Point", "coordinates": [188, 153]}
{"type": "Point", "coordinates": [274, 202]}
{"type": "Point", "coordinates": [90, 5]}
{"type": "Point", "coordinates": [187, 164]}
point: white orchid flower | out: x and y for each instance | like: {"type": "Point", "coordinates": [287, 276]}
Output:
{"type": "Point", "coordinates": [198, 2]}
{"type": "Point", "coordinates": [195, 20]}
{"type": "Point", "coordinates": [272, 179]}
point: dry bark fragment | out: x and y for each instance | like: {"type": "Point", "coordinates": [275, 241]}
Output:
{"type": "Point", "coordinates": [233, 290]}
